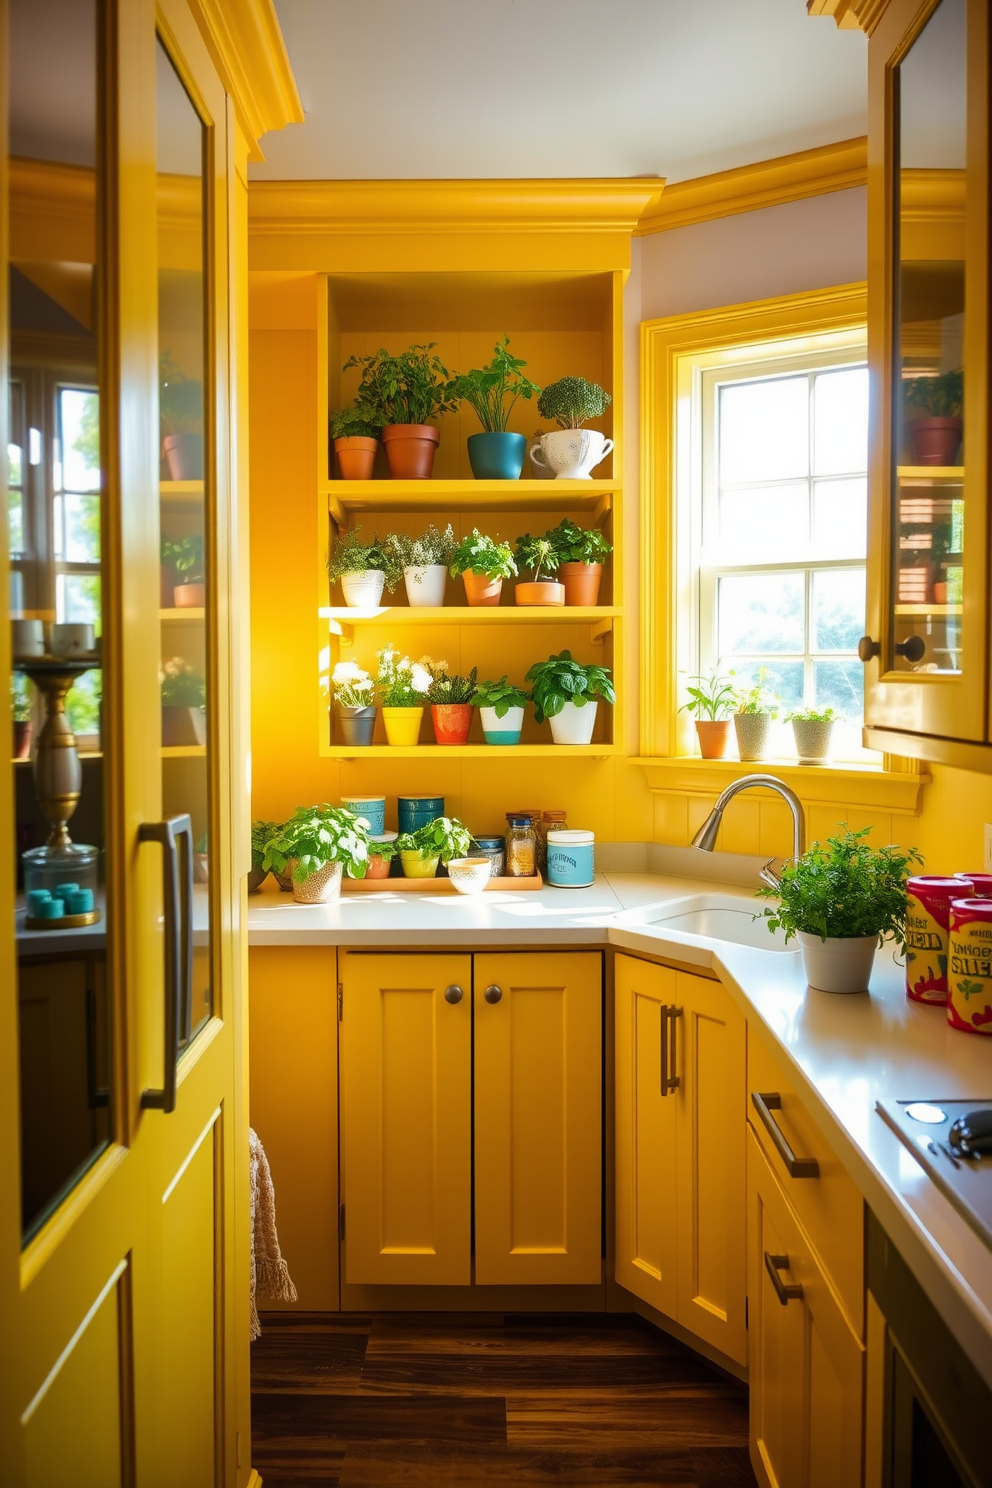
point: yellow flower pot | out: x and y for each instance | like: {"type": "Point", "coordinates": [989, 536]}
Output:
{"type": "Point", "coordinates": [402, 725]}
{"type": "Point", "coordinates": [414, 866]}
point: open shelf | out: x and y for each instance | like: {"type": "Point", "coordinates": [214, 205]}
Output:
{"type": "Point", "coordinates": [928, 609]}
{"type": "Point", "coordinates": [461, 495]}
{"type": "Point", "coordinates": [927, 473]}
{"type": "Point", "coordinates": [469, 614]}
{"type": "Point", "coordinates": [176, 495]}
{"type": "Point", "coordinates": [471, 751]}
{"type": "Point", "coordinates": [182, 616]}
{"type": "Point", "coordinates": [184, 751]}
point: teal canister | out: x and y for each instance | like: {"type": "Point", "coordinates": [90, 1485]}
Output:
{"type": "Point", "coordinates": [571, 859]}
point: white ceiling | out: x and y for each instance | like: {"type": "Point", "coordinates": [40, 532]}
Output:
{"type": "Point", "coordinates": [414, 89]}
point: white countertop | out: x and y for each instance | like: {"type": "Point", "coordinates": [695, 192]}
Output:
{"type": "Point", "coordinates": [845, 1053]}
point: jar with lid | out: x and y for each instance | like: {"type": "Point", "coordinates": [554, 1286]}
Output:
{"type": "Point", "coordinates": [521, 847]}
{"type": "Point", "coordinates": [552, 821]}
{"type": "Point", "coordinates": [494, 848]}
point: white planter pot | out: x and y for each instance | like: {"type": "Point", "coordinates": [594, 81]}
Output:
{"type": "Point", "coordinates": [571, 453]}
{"type": "Point", "coordinates": [838, 965]}
{"type": "Point", "coordinates": [812, 741]}
{"type": "Point", "coordinates": [574, 724]}
{"type": "Point", "coordinates": [425, 586]}
{"type": "Point", "coordinates": [363, 591]}
{"type": "Point", "coordinates": [505, 730]}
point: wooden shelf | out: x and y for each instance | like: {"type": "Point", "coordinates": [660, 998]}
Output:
{"type": "Point", "coordinates": [471, 751]}
{"type": "Point", "coordinates": [925, 474]}
{"type": "Point", "coordinates": [179, 495]}
{"type": "Point", "coordinates": [469, 495]}
{"type": "Point", "coordinates": [184, 751]}
{"type": "Point", "coordinates": [470, 614]}
{"type": "Point", "coordinates": [182, 616]}
{"type": "Point", "coordinates": [928, 609]}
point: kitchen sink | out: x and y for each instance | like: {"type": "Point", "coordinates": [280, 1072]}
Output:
{"type": "Point", "coordinates": [711, 917]}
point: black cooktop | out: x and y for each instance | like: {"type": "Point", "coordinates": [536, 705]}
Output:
{"type": "Point", "coordinates": [944, 1142]}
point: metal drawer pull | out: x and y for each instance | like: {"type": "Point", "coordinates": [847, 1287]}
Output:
{"type": "Point", "coordinates": [177, 897]}
{"type": "Point", "coordinates": [669, 1048]}
{"type": "Point", "coordinates": [785, 1294]}
{"type": "Point", "coordinates": [796, 1167]}
{"type": "Point", "coordinates": [493, 993]}
{"type": "Point", "coordinates": [453, 993]}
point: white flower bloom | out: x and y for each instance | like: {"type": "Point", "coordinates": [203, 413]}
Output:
{"type": "Point", "coordinates": [348, 671]}
{"type": "Point", "coordinates": [420, 678]}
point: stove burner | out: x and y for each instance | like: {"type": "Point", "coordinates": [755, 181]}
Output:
{"type": "Point", "coordinates": [924, 1111]}
{"type": "Point", "coordinates": [971, 1134]}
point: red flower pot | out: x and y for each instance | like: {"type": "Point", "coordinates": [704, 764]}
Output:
{"type": "Point", "coordinates": [452, 722]}
{"type": "Point", "coordinates": [936, 440]}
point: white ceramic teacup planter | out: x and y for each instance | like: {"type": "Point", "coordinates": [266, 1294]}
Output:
{"type": "Point", "coordinates": [425, 585]}
{"type": "Point", "coordinates": [572, 454]}
{"type": "Point", "coordinates": [574, 724]}
{"type": "Point", "coordinates": [363, 591]}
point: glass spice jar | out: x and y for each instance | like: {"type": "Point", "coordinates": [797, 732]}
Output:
{"type": "Point", "coordinates": [521, 847]}
{"type": "Point", "coordinates": [552, 821]}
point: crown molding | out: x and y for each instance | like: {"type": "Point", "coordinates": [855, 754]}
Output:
{"type": "Point", "coordinates": [390, 207]}
{"type": "Point", "coordinates": [247, 47]}
{"type": "Point", "coordinates": [768, 183]}
{"type": "Point", "coordinates": [850, 15]}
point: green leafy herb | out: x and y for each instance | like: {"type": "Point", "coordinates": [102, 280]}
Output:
{"type": "Point", "coordinates": [713, 697]}
{"type": "Point", "coordinates": [940, 396]}
{"type": "Point", "coordinates": [575, 544]}
{"type": "Point", "coordinates": [262, 833]}
{"type": "Point", "coordinates": [20, 698]}
{"type": "Point", "coordinates": [757, 698]}
{"type": "Point", "coordinates": [180, 399]}
{"type": "Point", "coordinates": [535, 554]}
{"type": "Point", "coordinates": [412, 388]}
{"type": "Point", "coordinates": [402, 683]}
{"type": "Point", "coordinates": [185, 557]}
{"type": "Point", "coordinates": [500, 696]}
{"type": "Point", "coordinates": [812, 715]}
{"type": "Point", "coordinates": [430, 547]}
{"type": "Point", "coordinates": [355, 422]}
{"type": "Point", "coordinates": [571, 401]}
{"type": "Point", "coordinates": [561, 680]}
{"type": "Point", "coordinates": [443, 838]}
{"type": "Point", "coordinates": [182, 686]}
{"type": "Point", "coordinates": [350, 555]}
{"type": "Point", "coordinates": [482, 555]}
{"type": "Point", "coordinates": [448, 687]}
{"type": "Point", "coordinates": [492, 391]}
{"type": "Point", "coordinates": [316, 835]}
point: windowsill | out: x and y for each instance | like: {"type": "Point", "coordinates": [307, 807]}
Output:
{"type": "Point", "coordinates": [849, 784]}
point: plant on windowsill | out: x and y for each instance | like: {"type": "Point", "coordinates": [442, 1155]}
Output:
{"type": "Point", "coordinates": [425, 560]}
{"type": "Point", "coordinates": [501, 709]}
{"type": "Point", "coordinates": [492, 392]}
{"type": "Point", "coordinates": [842, 899]}
{"type": "Point", "coordinates": [364, 568]}
{"type": "Point", "coordinates": [184, 698]}
{"type": "Point", "coordinates": [411, 390]}
{"type": "Point", "coordinates": [711, 699]}
{"type": "Point", "coordinates": [567, 694]}
{"type": "Point", "coordinates": [938, 402]}
{"type": "Point", "coordinates": [754, 709]}
{"type": "Point", "coordinates": [354, 695]}
{"type": "Point", "coordinates": [451, 707]}
{"type": "Point", "coordinates": [180, 412]}
{"type": "Point", "coordinates": [356, 432]}
{"type": "Point", "coordinates": [439, 841]}
{"type": "Point", "coordinates": [539, 556]}
{"type": "Point", "coordinates": [262, 833]}
{"type": "Point", "coordinates": [403, 686]}
{"type": "Point", "coordinates": [581, 552]}
{"type": "Point", "coordinates": [316, 845]}
{"type": "Point", "coordinates": [812, 729]}
{"type": "Point", "coordinates": [483, 563]}
{"type": "Point", "coordinates": [20, 708]}
{"type": "Point", "coordinates": [571, 451]}
{"type": "Point", "coordinates": [186, 560]}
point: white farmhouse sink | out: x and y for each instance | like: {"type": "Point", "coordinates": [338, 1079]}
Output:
{"type": "Point", "coordinates": [710, 917]}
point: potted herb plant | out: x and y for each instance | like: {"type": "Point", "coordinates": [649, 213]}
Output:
{"type": "Point", "coordinates": [356, 432]}
{"type": "Point", "coordinates": [539, 556]}
{"type": "Point", "coordinates": [180, 411]}
{"type": "Point", "coordinates": [184, 698]}
{"type": "Point", "coordinates": [483, 563]}
{"type": "Point", "coordinates": [581, 553]}
{"type": "Point", "coordinates": [811, 729]}
{"type": "Point", "coordinates": [754, 709]}
{"type": "Point", "coordinates": [425, 560]}
{"type": "Point", "coordinates": [571, 451]}
{"type": "Point", "coordinates": [842, 899]}
{"type": "Point", "coordinates": [492, 392]}
{"type": "Point", "coordinates": [364, 568]}
{"type": "Point", "coordinates": [451, 707]}
{"type": "Point", "coordinates": [354, 694]}
{"type": "Point", "coordinates": [262, 833]}
{"type": "Point", "coordinates": [936, 431]}
{"type": "Point", "coordinates": [382, 851]}
{"type": "Point", "coordinates": [316, 845]}
{"type": "Point", "coordinates": [712, 700]}
{"type": "Point", "coordinates": [20, 707]}
{"type": "Point", "coordinates": [185, 557]}
{"type": "Point", "coordinates": [501, 708]}
{"type": "Point", "coordinates": [411, 390]}
{"type": "Point", "coordinates": [439, 841]}
{"type": "Point", "coordinates": [567, 693]}
{"type": "Point", "coordinates": [403, 686]}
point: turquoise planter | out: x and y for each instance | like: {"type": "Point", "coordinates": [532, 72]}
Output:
{"type": "Point", "coordinates": [502, 736]}
{"type": "Point", "coordinates": [497, 456]}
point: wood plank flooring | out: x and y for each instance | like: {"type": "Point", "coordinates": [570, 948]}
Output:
{"type": "Point", "coordinates": [424, 1401]}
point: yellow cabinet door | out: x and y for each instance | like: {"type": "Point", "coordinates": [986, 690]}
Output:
{"type": "Point", "coordinates": [646, 1187]}
{"type": "Point", "coordinates": [711, 1071]}
{"type": "Point", "coordinates": [406, 1118]}
{"type": "Point", "coordinates": [805, 1365]}
{"type": "Point", "coordinates": [538, 1118]}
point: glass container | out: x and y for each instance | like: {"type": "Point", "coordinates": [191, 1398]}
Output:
{"type": "Point", "coordinates": [521, 847]}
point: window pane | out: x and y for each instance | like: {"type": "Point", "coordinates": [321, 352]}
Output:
{"type": "Point", "coordinates": [838, 609]}
{"type": "Point", "coordinates": [761, 612]}
{"type": "Point", "coordinates": [840, 685]}
{"type": "Point", "coordinates": [840, 422]}
{"type": "Point", "coordinates": [840, 518]}
{"type": "Point", "coordinates": [784, 679]}
{"type": "Point", "coordinates": [771, 522]}
{"type": "Point", "coordinates": [764, 430]}
{"type": "Point", "coordinates": [77, 599]}
{"type": "Point", "coordinates": [78, 530]}
{"type": "Point", "coordinates": [82, 704]}
{"type": "Point", "coordinates": [79, 414]}
{"type": "Point", "coordinates": [15, 465]}
{"type": "Point", "coordinates": [15, 522]}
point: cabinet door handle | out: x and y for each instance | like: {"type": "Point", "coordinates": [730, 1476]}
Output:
{"type": "Point", "coordinates": [796, 1167]}
{"type": "Point", "coordinates": [454, 993]}
{"type": "Point", "coordinates": [493, 993]}
{"type": "Point", "coordinates": [669, 1048]}
{"type": "Point", "coordinates": [785, 1294]}
{"type": "Point", "coordinates": [177, 897]}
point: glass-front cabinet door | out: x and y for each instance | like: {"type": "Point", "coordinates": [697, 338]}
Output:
{"type": "Point", "coordinates": [927, 648]}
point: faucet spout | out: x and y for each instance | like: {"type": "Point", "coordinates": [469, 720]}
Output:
{"type": "Point", "coordinates": [705, 838]}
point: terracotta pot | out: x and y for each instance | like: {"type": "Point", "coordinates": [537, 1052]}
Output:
{"type": "Point", "coordinates": [323, 884]}
{"type": "Point", "coordinates": [480, 590]}
{"type": "Point", "coordinates": [935, 440]}
{"type": "Point", "coordinates": [714, 737]}
{"type": "Point", "coordinates": [548, 593]}
{"type": "Point", "coordinates": [183, 455]}
{"type": "Point", "coordinates": [940, 591]}
{"type": "Point", "coordinates": [190, 596]}
{"type": "Point", "coordinates": [402, 725]}
{"type": "Point", "coordinates": [452, 722]}
{"type": "Point", "coordinates": [582, 581]}
{"type": "Point", "coordinates": [183, 726]}
{"type": "Point", "coordinates": [22, 738]}
{"type": "Point", "coordinates": [356, 457]}
{"type": "Point", "coordinates": [410, 450]}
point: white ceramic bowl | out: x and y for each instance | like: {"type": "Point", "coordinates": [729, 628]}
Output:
{"type": "Point", "coordinates": [469, 875]}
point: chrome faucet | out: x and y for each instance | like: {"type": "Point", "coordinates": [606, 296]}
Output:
{"type": "Point", "coordinates": [705, 838]}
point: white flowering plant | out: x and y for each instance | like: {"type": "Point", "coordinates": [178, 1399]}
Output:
{"type": "Point", "coordinates": [353, 687]}
{"type": "Point", "coordinates": [402, 683]}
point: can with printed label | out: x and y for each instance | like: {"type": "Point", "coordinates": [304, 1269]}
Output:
{"type": "Point", "coordinates": [969, 967]}
{"type": "Point", "coordinates": [928, 919]}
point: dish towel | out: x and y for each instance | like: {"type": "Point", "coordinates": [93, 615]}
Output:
{"type": "Point", "coordinates": [269, 1273]}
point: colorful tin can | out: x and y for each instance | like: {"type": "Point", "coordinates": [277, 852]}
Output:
{"type": "Point", "coordinates": [373, 808]}
{"type": "Point", "coordinates": [981, 884]}
{"type": "Point", "coordinates": [417, 811]}
{"type": "Point", "coordinates": [927, 932]}
{"type": "Point", "coordinates": [969, 972]}
{"type": "Point", "coordinates": [571, 859]}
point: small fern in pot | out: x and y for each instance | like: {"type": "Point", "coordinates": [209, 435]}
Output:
{"type": "Point", "coordinates": [355, 433]}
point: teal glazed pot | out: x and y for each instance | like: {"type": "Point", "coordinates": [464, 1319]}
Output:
{"type": "Point", "coordinates": [497, 456]}
{"type": "Point", "coordinates": [416, 811]}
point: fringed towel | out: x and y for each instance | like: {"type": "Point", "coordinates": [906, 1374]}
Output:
{"type": "Point", "coordinates": [269, 1273]}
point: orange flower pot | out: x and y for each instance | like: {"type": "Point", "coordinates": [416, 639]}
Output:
{"type": "Point", "coordinates": [189, 596]}
{"type": "Point", "coordinates": [410, 450]}
{"type": "Point", "coordinates": [480, 590]}
{"type": "Point", "coordinates": [582, 581]}
{"type": "Point", "coordinates": [378, 867]}
{"type": "Point", "coordinates": [714, 737]}
{"type": "Point", "coordinates": [548, 594]}
{"type": "Point", "coordinates": [356, 457]}
{"type": "Point", "coordinates": [452, 722]}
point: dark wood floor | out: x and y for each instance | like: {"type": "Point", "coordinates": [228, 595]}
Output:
{"type": "Point", "coordinates": [425, 1402]}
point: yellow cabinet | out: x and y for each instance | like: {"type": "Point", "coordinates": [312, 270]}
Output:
{"type": "Point", "coordinates": [680, 1075]}
{"type": "Point", "coordinates": [805, 1364]}
{"type": "Point", "coordinates": [538, 1118]}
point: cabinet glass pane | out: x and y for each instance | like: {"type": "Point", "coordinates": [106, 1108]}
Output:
{"type": "Point", "coordinates": [56, 511]}
{"type": "Point", "coordinates": [931, 296]}
{"type": "Point", "coordinates": [187, 730]}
